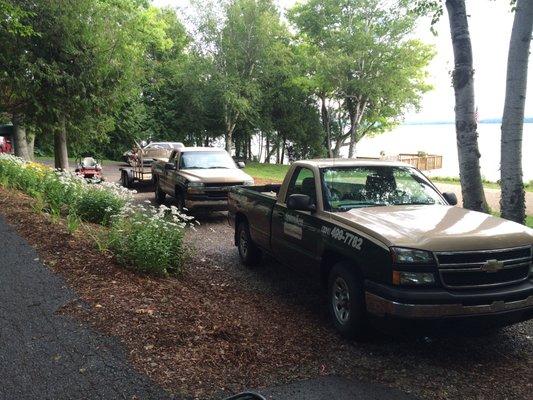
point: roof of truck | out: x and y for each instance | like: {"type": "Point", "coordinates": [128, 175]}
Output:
{"type": "Point", "coordinates": [187, 149]}
{"type": "Point", "coordinates": [356, 162]}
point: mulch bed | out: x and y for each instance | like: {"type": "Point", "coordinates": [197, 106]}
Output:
{"type": "Point", "coordinates": [195, 335]}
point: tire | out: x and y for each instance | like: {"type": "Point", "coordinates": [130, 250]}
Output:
{"type": "Point", "coordinates": [179, 200]}
{"type": "Point", "coordinates": [159, 194]}
{"type": "Point", "coordinates": [125, 179]}
{"type": "Point", "coordinates": [249, 253]}
{"type": "Point", "coordinates": [347, 302]}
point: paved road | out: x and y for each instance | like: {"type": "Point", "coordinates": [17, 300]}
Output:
{"type": "Point", "coordinates": [47, 356]}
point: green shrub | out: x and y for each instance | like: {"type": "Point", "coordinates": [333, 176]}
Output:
{"type": "Point", "coordinates": [97, 205]}
{"type": "Point", "coordinates": [150, 240]}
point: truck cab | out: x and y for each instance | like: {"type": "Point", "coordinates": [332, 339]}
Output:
{"type": "Point", "coordinates": [386, 243]}
{"type": "Point", "coordinates": [198, 177]}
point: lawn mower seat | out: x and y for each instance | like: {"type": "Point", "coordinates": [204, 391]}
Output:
{"type": "Point", "coordinates": [88, 162]}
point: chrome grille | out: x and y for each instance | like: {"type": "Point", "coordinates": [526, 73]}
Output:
{"type": "Point", "coordinates": [488, 268]}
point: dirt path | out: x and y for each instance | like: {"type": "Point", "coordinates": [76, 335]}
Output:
{"type": "Point", "coordinates": [492, 196]}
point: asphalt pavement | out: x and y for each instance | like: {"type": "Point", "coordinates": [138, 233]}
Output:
{"type": "Point", "coordinates": [44, 355]}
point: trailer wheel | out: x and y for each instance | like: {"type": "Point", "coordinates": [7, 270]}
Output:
{"type": "Point", "coordinates": [249, 253]}
{"type": "Point", "coordinates": [159, 194]}
{"type": "Point", "coordinates": [125, 179]}
{"type": "Point", "coordinates": [346, 302]}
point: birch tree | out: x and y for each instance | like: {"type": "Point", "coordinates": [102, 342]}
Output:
{"type": "Point", "coordinates": [512, 202]}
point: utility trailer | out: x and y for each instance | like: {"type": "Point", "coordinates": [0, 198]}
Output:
{"type": "Point", "coordinates": [137, 173]}
{"type": "Point", "coordinates": [140, 171]}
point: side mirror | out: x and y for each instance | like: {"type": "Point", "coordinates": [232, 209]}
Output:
{"type": "Point", "coordinates": [241, 164]}
{"type": "Point", "coordinates": [170, 166]}
{"type": "Point", "coordinates": [450, 197]}
{"type": "Point", "coordinates": [301, 202]}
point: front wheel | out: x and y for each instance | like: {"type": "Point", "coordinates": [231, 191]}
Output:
{"type": "Point", "coordinates": [159, 194]}
{"type": "Point", "coordinates": [249, 253]}
{"type": "Point", "coordinates": [346, 301]}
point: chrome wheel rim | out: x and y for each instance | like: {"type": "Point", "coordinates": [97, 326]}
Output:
{"type": "Point", "coordinates": [243, 243]}
{"type": "Point", "coordinates": [341, 300]}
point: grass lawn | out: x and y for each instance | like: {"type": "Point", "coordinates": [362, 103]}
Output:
{"type": "Point", "coordinates": [70, 159]}
{"type": "Point", "coordinates": [486, 184]}
{"type": "Point", "coordinates": [273, 172]}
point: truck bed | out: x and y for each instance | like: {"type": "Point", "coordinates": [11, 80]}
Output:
{"type": "Point", "coordinates": [256, 203]}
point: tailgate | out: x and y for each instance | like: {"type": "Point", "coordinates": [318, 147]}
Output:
{"type": "Point", "coordinates": [256, 207]}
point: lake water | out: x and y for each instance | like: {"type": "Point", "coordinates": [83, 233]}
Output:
{"type": "Point", "coordinates": [440, 139]}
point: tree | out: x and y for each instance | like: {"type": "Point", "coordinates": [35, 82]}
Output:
{"type": "Point", "coordinates": [463, 85]}
{"type": "Point", "coordinates": [465, 114]}
{"type": "Point", "coordinates": [238, 47]}
{"type": "Point", "coordinates": [374, 72]}
{"type": "Point", "coordinates": [14, 77]}
{"type": "Point", "coordinates": [512, 202]}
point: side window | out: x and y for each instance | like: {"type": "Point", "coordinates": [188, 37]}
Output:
{"type": "Point", "coordinates": [303, 182]}
{"type": "Point", "coordinates": [173, 157]}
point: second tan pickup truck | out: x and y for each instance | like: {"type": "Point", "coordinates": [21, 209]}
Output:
{"type": "Point", "coordinates": [198, 177]}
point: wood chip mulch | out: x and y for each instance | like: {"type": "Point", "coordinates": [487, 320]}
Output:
{"type": "Point", "coordinates": [194, 335]}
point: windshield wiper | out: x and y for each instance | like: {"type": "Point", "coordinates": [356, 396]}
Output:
{"type": "Point", "coordinates": [361, 205]}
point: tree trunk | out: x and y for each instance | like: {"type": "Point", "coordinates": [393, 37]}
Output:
{"type": "Point", "coordinates": [30, 140]}
{"type": "Point", "coordinates": [20, 142]}
{"type": "Point", "coordinates": [283, 148]}
{"type": "Point", "coordinates": [465, 118]}
{"type": "Point", "coordinates": [326, 124]}
{"type": "Point", "coordinates": [60, 147]}
{"type": "Point", "coordinates": [512, 202]}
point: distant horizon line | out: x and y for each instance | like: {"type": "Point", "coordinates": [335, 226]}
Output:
{"type": "Point", "coordinates": [527, 120]}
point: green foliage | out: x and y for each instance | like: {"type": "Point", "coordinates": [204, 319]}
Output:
{"type": "Point", "coordinates": [98, 205]}
{"type": "Point", "coordinates": [142, 237]}
{"type": "Point", "coordinates": [150, 240]}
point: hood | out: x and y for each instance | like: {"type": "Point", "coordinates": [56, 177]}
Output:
{"type": "Point", "coordinates": [216, 175]}
{"type": "Point", "coordinates": [436, 228]}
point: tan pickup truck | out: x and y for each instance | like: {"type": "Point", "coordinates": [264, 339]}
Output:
{"type": "Point", "coordinates": [198, 177]}
{"type": "Point", "coordinates": [388, 244]}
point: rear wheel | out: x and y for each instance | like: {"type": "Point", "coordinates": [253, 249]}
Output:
{"type": "Point", "coordinates": [159, 194]}
{"type": "Point", "coordinates": [249, 253]}
{"type": "Point", "coordinates": [346, 301]}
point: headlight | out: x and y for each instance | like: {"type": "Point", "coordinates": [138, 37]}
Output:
{"type": "Point", "coordinates": [412, 278]}
{"type": "Point", "coordinates": [248, 183]}
{"type": "Point", "coordinates": [195, 184]}
{"type": "Point", "coordinates": [411, 256]}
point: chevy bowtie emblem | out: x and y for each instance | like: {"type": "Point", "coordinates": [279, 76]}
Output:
{"type": "Point", "coordinates": [492, 266]}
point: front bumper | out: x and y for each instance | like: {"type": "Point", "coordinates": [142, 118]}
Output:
{"type": "Point", "coordinates": [428, 304]}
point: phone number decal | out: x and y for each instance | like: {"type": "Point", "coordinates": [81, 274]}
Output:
{"type": "Point", "coordinates": [341, 235]}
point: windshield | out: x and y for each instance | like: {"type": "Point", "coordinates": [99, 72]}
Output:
{"type": "Point", "coordinates": [353, 187]}
{"type": "Point", "coordinates": [206, 160]}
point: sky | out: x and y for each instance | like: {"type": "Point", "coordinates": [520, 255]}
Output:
{"type": "Point", "coordinates": [490, 25]}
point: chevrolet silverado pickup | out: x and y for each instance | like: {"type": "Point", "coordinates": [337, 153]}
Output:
{"type": "Point", "coordinates": [386, 243]}
{"type": "Point", "coordinates": [198, 177]}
